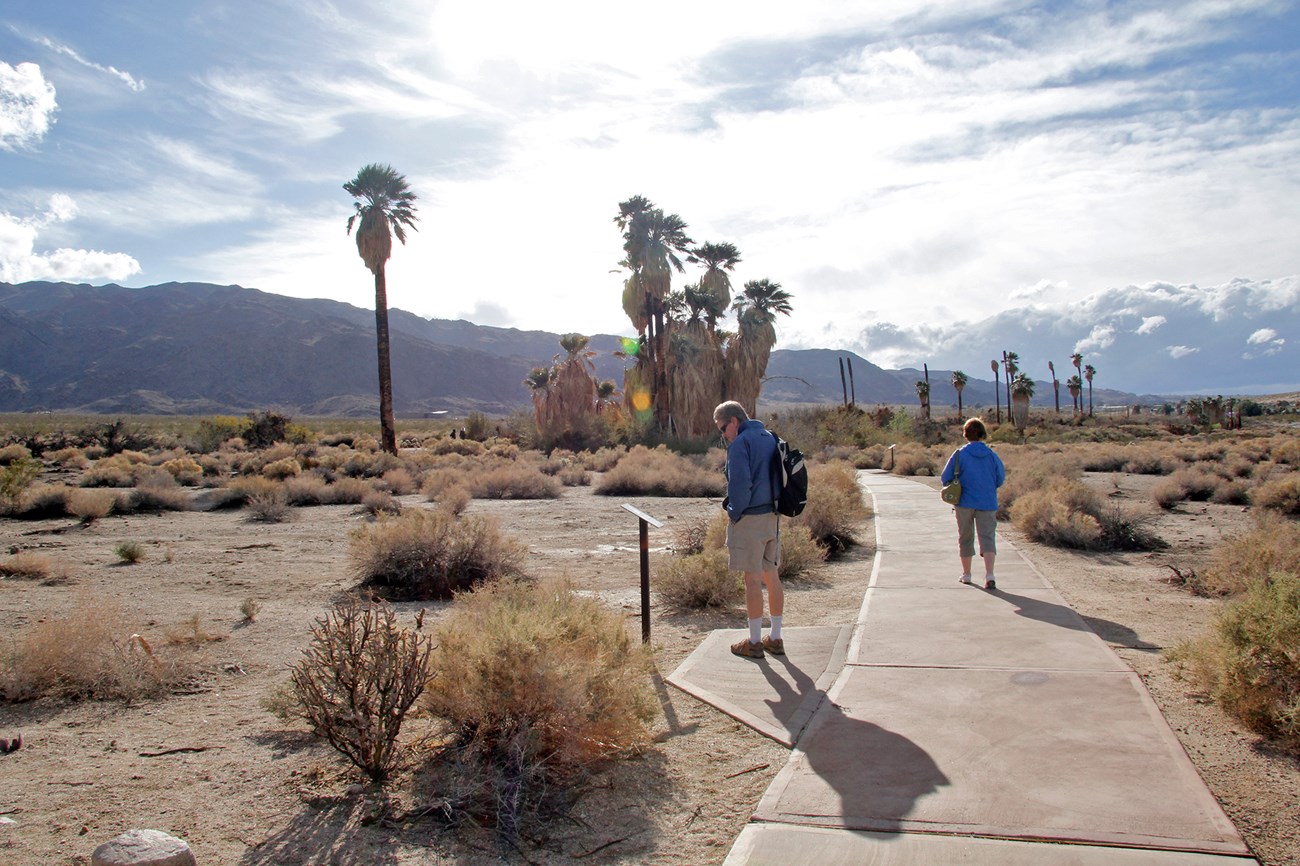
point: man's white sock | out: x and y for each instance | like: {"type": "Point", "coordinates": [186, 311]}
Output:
{"type": "Point", "coordinates": [756, 630]}
{"type": "Point", "coordinates": [776, 628]}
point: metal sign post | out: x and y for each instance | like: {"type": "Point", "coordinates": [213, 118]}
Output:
{"type": "Point", "coordinates": [643, 521]}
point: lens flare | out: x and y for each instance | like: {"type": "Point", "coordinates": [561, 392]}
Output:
{"type": "Point", "coordinates": [640, 400]}
{"type": "Point", "coordinates": [631, 346]}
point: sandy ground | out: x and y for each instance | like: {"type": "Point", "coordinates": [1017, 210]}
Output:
{"type": "Point", "coordinates": [242, 787]}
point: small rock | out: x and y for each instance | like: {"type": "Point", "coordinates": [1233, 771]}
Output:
{"type": "Point", "coordinates": [143, 848]}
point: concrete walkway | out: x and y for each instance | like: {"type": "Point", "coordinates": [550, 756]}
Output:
{"type": "Point", "coordinates": [956, 725]}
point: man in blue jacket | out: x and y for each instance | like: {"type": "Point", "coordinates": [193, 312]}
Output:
{"type": "Point", "coordinates": [753, 539]}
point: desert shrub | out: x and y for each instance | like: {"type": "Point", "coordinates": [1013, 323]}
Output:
{"type": "Point", "coordinates": [268, 506]}
{"type": "Point", "coordinates": [454, 498]}
{"type": "Point", "coordinates": [913, 460]}
{"type": "Point", "coordinates": [212, 433]}
{"type": "Point", "coordinates": [90, 505]}
{"type": "Point", "coordinates": [573, 476]}
{"type": "Point", "coordinates": [1279, 494]}
{"type": "Point", "coordinates": [1029, 471]}
{"type": "Point", "coordinates": [14, 453]}
{"type": "Point", "coordinates": [698, 580]}
{"type": "Point", "coordinates": [129, 551]}
{"type": "Point", "coordinates": [238, 492]}
{"type": "Point", "coordinates": [357, 680]}
{"type": "Point", "coordinates": [800, 552]}
{"type": "Point", "coordinates": [1231, 492]}
{"type": "Point", "coordinates": [309, 489]}
{"type": "Point", "coordinates": [264, 429]}
{"type": "Point", "coordinates": [1048, 518]}
{"type": "Point", "coordinates": [399, 481]}
{"type": "Point", "coordinates": [192, 632]}
{"type": "Point", "coordinates": [115, 471]}
{"type": "Point", "coordinates": [349, 491]}
{"type": "Point", "coordinates": [1272, 545]}
{"type": "Point", "coordinates": [71, 458]}
{"type": "Point", "coordinates": [835, 506]}
{"type": "Point", "coordinates": [1286, 450]}
{"type": "Point", "coordinates": [1249, 663]}
{"type": "Point", "coordinates": [602, 459]}
{"type": "Point", "coordinates": [1149, 460]}
{"type": "Point", "coordinates": [1099, 458]}
{"type": "Point", "coordinates": [185, 470]}
{"type": "Point", "coordinates": [248, 609]}
{"type": "Point", "coordinates": [1127, 529]}
{"type": "Point", "coordinates": [689, 536]}
{"type": "Point", "coordinates": [513, 482]}
{"type": "Point", "coordinates": [91, 652]}
{"type": "Point", "coordinates": [537, 684]}
{"type": "Point", "coordinates": [279, 470]}
{"type": "Point", "coordinates": [370, 464]}
{"type": "Point", "coordinates": [377, 502]}
{"type": "Point", "coordinates": [659, 472]}
{"type": "Point", "coordinates": [26, 565]}
{"type": "Point", "coordinates": [15, 478]}
{"type": "Point", "coordinates": [39, 502]}
{"type": "Point", "coordinates": [432, 554]}
{"type": "Point", "coordinates": [154, 495]}
{"type": "Point", "coordinates": [467, 447]}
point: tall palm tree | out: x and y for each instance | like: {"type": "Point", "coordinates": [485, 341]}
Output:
{"type": "Point", "coordinates": [997, 389]}
{"type": "Point", "coordinates": [653, 243]}
{"type": "Point", "coordinates": [1088, 372]}
{"type": "Point", "coordinates": [539, 381]}
{"type": "Point", "coordinates": [923, 395]}
{"type": "Point", "coordinates": [1022, 391]}
{"type": "Point", "coordinates": [1056, 386]}
{"type": "Point", "coordinates": [959, 380]}
{"type": "Point", "coordinates": [1077, 360]}
{"type": "Point", "coordinates": [385, 207]}
{"type": "Point", "coordinates": [747, 355]}
{"type": "Point", "coordinates": [698, 364]}
{"type": "Point", "coordinates": [1075, 386]}
{"type": "Point", "coordinates": [1010, 361]}
{"type": "Point", "coordinates": [717, 258]}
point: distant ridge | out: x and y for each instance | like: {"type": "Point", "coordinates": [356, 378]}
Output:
{"type": "Point", "coordinates": [198, 348]}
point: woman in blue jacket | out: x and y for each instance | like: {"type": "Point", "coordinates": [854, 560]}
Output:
{"type": "Point", "coordinates": [981, 473]}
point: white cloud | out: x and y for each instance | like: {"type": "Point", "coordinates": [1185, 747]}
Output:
{"type": "Point", "coordinates": [19, 261]}
{"type": "Point", "coordinates": [1101, 337]}
{"type": "Point", "coordinates": [27, 105]}
{"type": "Point", "coordinates": [1150, 323]}
{"type": "Point", "coordinates": [1177, 352]}
{"type": "Point", "coordinates": [1263, 335]}
{"type": "Point", "coordinates": [125, 77]}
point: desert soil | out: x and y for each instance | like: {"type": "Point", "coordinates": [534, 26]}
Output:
{"type": "Point", "coordinates": [214, 767]}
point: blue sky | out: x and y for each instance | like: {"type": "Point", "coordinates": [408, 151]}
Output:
{"type": "Point", "coordinates": [913, 173]}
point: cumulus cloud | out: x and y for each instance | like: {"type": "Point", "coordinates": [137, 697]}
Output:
{"type": "Point", "coordinates": [488, 313]}
{"type": "Point", "coordinates": [1150, 323]}
{"type": "Point", "coordinates": [1177, 352]}
{"type": "Point", "coordinates": [19, 261]}
{"type": "Point", "coordinates": [1101, 337]}
{"type": "Point", "coordinates": [1263, 335]}
{"type": "Point", "coordinates": [27, 105]}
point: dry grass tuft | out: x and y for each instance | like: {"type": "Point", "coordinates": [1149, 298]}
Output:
{"type": "Point", "coordinates": [425, 554]}
{"type": "Point", "coordinates": [90, 505]}
{"type": "Point", "coordinates": [537, 684]}
{"type": "Point", "coordinates": [1272, 545]}
{"type": "Point", "coordinates": [26, 565]}
{"type": "Point", "coordinates": [835, 507]}
{"type": "Point", "coordinates": [659, 472]}
{"type": "Point", "coordinates": [129, 551]}
{"type": "Point", "coordinates": [92, 652]}
{"type": "Point", "coordinates": [698, 580]}
{"type": "Point", "coordinates": [1281, 495]}
{"type": "Point", "coordinates": [513, 481]}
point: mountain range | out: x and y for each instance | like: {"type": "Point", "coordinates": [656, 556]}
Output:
{"type": "Point", "coordinates": [198, 348]}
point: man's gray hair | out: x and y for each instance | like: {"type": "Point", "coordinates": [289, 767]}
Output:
{"type": "Point", "coordinates": [730, 409]}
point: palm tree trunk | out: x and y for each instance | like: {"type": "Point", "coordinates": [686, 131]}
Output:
{"type": "Point", "coordinates": [388, 434]}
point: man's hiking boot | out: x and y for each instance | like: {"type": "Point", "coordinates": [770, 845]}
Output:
{"type": "Point", "coordinates": [747, 649]}
{"type": "Point", "coordinates": [774, 645]}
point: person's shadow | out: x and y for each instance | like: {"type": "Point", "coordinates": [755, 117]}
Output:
{"type": "Point", "coordinates": [877, 774]}
{"type": "Point", "coordinates": [1065, 617]}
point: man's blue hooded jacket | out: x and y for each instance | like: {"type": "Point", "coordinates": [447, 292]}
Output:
{"type": "Point", "coordinates": [749, 471]}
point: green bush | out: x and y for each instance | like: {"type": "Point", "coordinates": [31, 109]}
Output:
{"type": "Point", "coordinates": [1249, 663]}
{"type": "Point", "coordinates": [426, 554]}
{"type": "Point", "coordinates": [15, 478]}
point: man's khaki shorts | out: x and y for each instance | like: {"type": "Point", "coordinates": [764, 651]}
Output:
{"type": "Point", "coordinates": [754, 543]}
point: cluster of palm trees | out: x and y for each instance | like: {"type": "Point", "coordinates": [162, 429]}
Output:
{"type": "Point", "coordinates": [566, 393]}
{"type": "Point", "coordinates": [685, 362]}
{"type": "Point", "coordinates": [1019, 388]}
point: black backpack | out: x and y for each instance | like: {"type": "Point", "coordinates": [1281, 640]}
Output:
{"type": "Point", "coordinates": [791, 478]}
